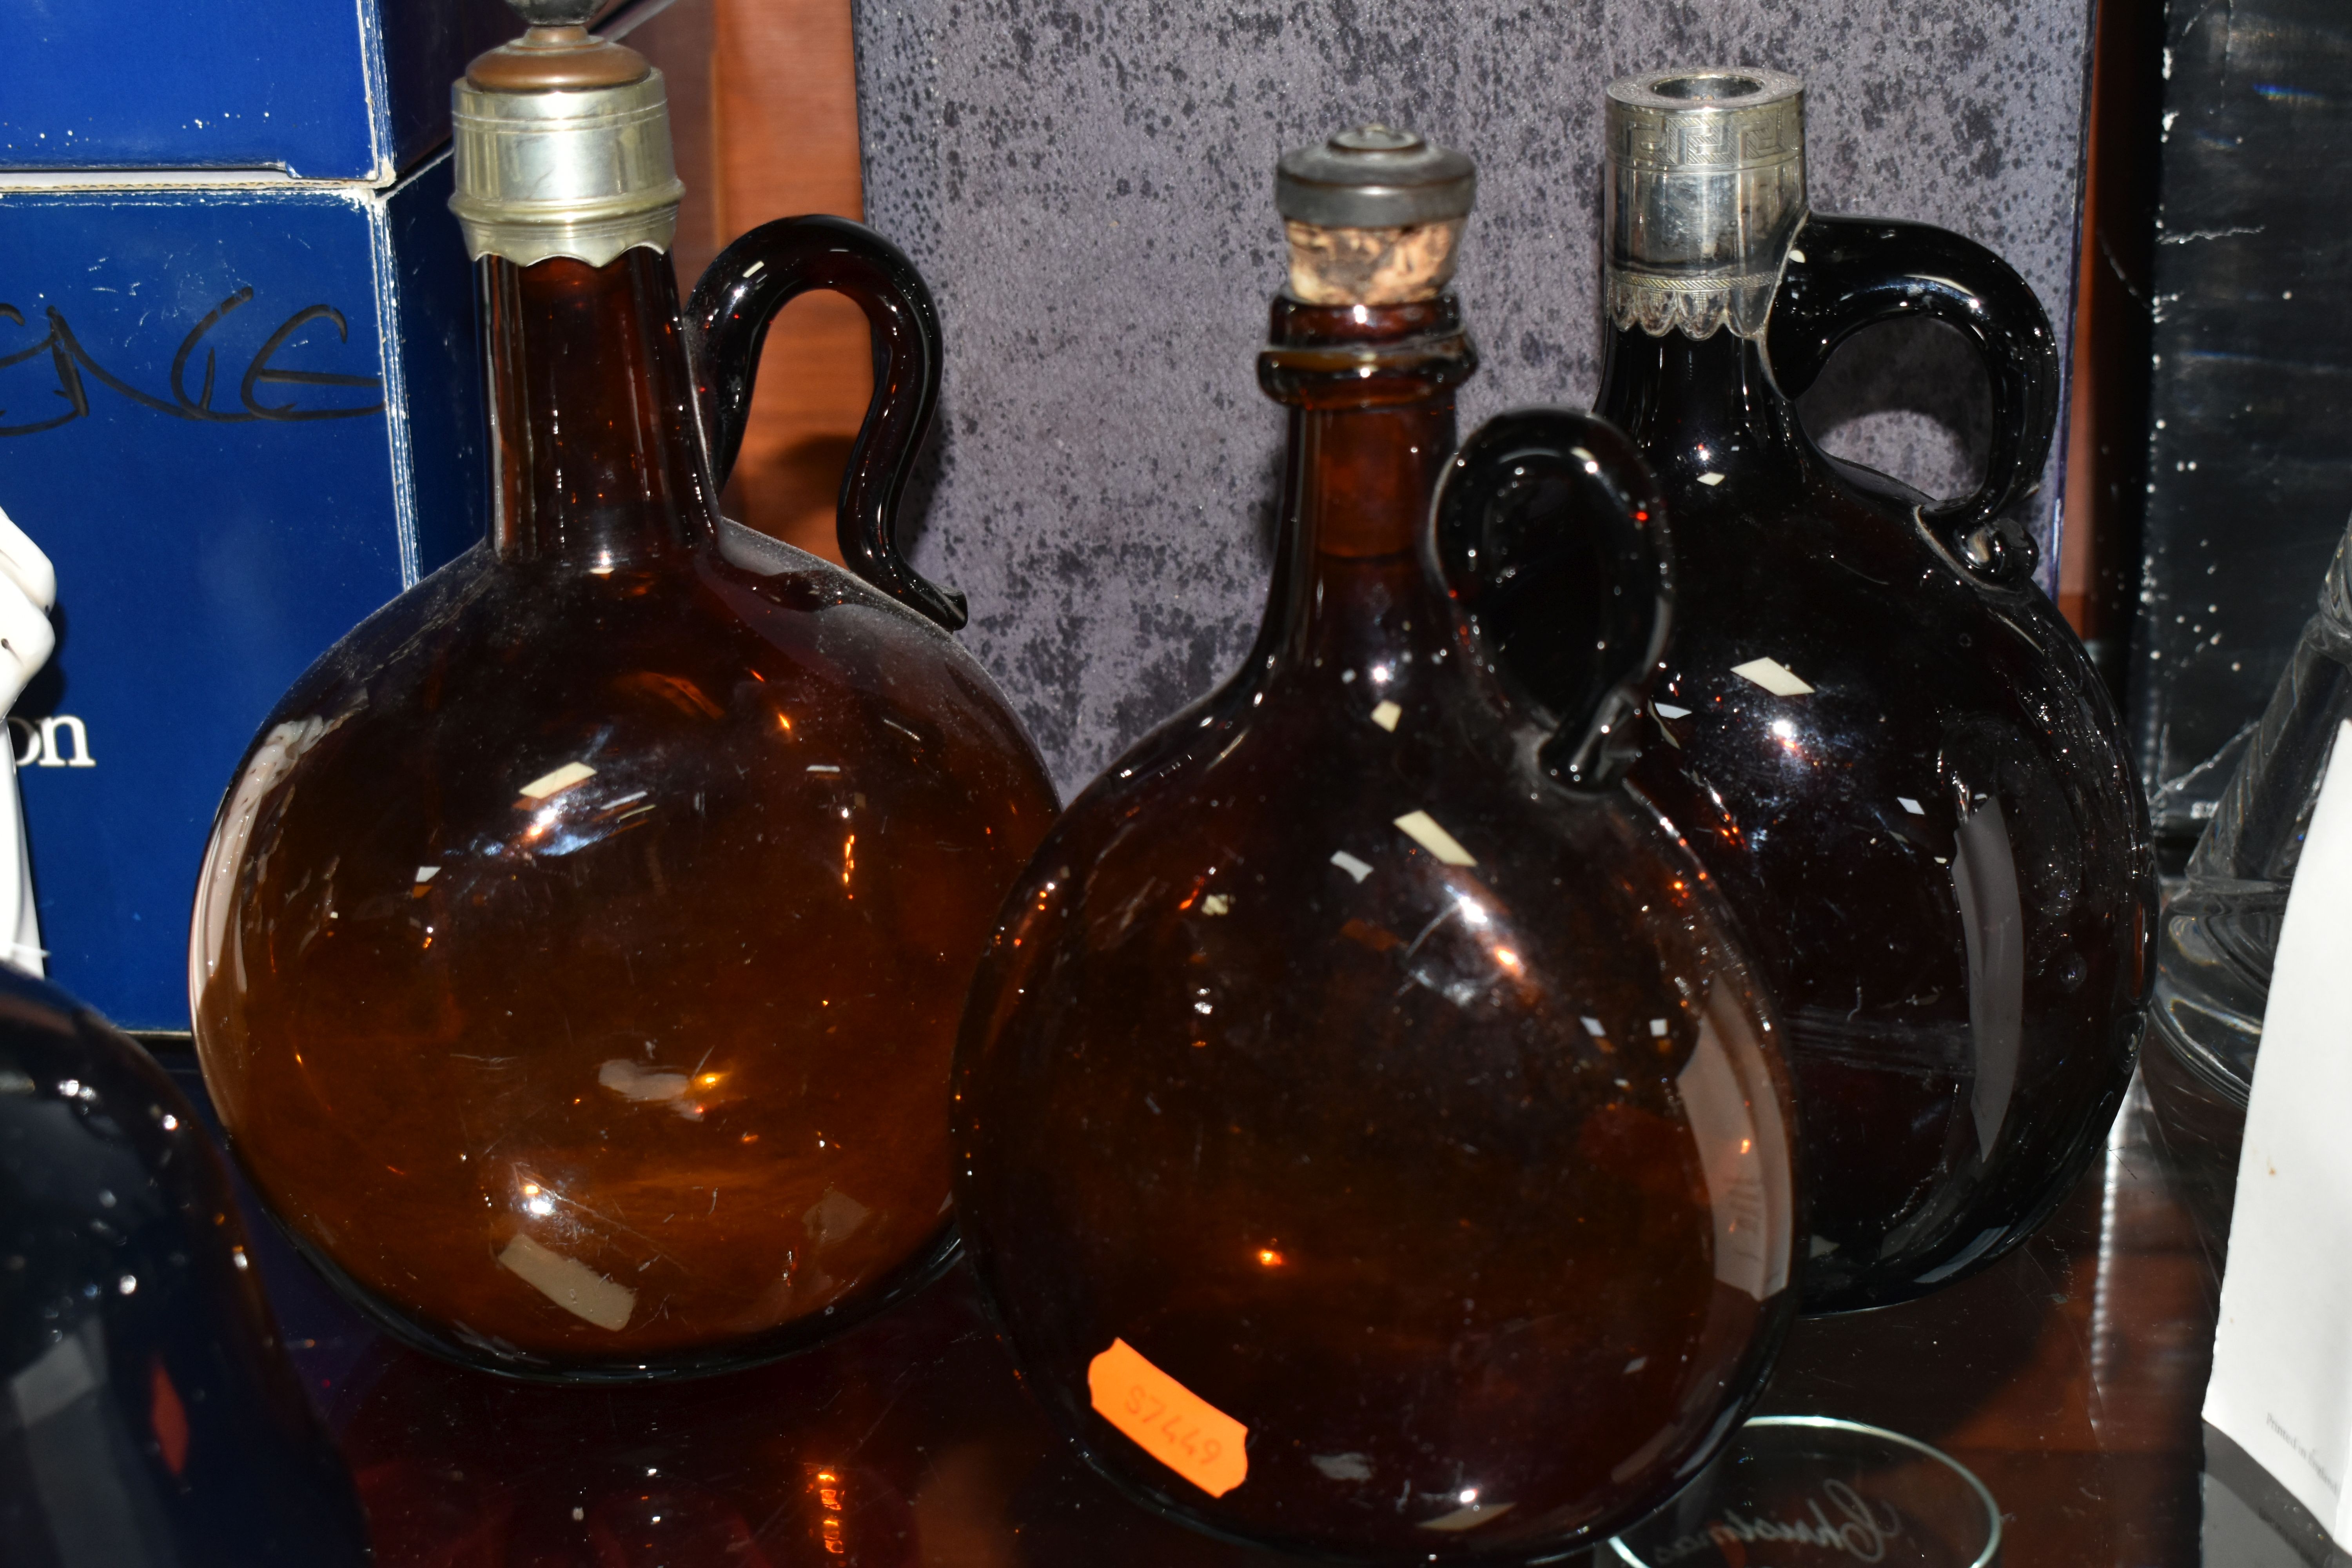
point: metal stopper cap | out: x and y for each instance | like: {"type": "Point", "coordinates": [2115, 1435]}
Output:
{"type": "Point", "coordinates": [562, 145]}
{"type": "Point", "coordinates": [1705, 195]}
{"type": "Point", "coordinates": [1373, 176]}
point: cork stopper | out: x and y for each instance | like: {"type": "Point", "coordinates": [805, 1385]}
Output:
{"type": "Point", "coordinates": [1371, 266]}
{"type": "Point", "coordinates": [1373, 216]}
{"type": "Point", "coordinates": [557, 55]}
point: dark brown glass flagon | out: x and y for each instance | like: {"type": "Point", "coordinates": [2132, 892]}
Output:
{"type": "Point", "coordinates": [1370, 1147]}
{"type": "Point", "coordinates": [1896, 758]}
{"type": "Point", "coordinates": [153, 1419]}
{"type": "Point", "coordinates": [578, 949]}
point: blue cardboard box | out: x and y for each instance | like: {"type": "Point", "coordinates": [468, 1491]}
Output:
{"type": "Point", "coordinates": [238, 419]}
{"type": "Point", "coordinates": [321, 90]}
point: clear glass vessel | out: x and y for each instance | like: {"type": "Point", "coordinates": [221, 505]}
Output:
{"type": "Point", "coordinates": [1370, 1147]}
{"type": "Point", "coordinates": [153, 1419]}
{"type": "Point", "coordinates": [578, 953]}
{"type": "Point", "coordinates": [1872, 727]}
{"type": "Point", "coordinates": [1813, 1489]}
{"type": "Point", "coordinates": [2222, 927]}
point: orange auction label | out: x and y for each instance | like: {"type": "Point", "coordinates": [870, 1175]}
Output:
{"type": "Point", "coordinates": [1172, 1424]}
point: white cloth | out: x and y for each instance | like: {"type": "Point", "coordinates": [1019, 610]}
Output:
{"type": "Point", "coordinates": [2282, 1385]}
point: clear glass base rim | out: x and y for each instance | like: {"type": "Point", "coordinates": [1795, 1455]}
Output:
{"type": "Point", "coordinates": [1984, 1559]}
{"type": "Point", "coordinates": [2209, 1068]}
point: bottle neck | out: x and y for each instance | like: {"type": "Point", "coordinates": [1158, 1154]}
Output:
{"type": "Point", "coordinates": [1694, 407]}
{"type": "Point", "coordinates": [1371, 391]}
{"type": "Point", "coordinates": [1360, 481]}
{"type": "Point", "coordinates": [596, 451]}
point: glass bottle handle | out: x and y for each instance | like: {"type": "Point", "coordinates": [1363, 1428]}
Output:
{"type": "Point", "coordinates": [1543, 499]}
{"type": "Point", "coordinates": [726, 322]}
{"type": "Point", "coordinates": [1857, 271]}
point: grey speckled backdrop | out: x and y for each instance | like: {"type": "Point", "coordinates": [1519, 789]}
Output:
{"type": "Point", "coordinates": [1088, 185]}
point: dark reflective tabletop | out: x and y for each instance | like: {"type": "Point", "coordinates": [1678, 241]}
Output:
{"type": "Point", "coordinates": [2067, 1378]}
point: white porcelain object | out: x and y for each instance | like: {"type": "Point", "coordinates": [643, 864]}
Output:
{"type": "Point", "coordinates": [28, 587]}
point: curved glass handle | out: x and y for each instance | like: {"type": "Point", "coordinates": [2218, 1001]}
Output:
{"type": "Point", "coordinates": [1856, 271]}
{"type": "Point", "coordinates": [1544, 517]}
{"type": "Point", "coordinates": [726, 322]}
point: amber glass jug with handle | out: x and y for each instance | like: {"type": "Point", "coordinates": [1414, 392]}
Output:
{"type": "Point", "coordinates": [1873, 728]}
{"type": "Point", "coordinates": [1370, 1147]}
{"type": "Point", "coordinates": [580, 945]}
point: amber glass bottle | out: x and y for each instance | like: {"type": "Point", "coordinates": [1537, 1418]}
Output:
{"type": "Point", "coordinates": [1370, 1147]}
{"type": "Point", "coordinates": [1873, 728]}
{"type": "Point", "coordinates": [578, 949]}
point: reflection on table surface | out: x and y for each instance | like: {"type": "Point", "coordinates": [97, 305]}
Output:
{"type": "Point", "coordinates": [2068, 1378]}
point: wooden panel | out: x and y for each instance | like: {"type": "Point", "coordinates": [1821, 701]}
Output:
{"type": "Point", "coordinates": [2107, 437]}
{"type": "Point", "coordinates": [784, 108]}
{"type": "Point", "coordinates": [678, 42]}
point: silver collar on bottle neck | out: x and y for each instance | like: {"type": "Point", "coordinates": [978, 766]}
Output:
{"type": "Point", "coordinates": [1705, 194]}
{"type": "Point", "coordinates": [587, 173]}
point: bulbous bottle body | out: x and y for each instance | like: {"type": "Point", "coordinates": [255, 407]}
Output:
{"type": "Point", "coordinates": [579, 950]}
{"type": "Point", "coordinates": [1872, 727]}
{"type": "Point", "coordinates": [1371, 1148]}
{"type": "Point", "coordinates": [1913, 791]}
{"type": "Point", "coordinates": [157, 1422]}
{"type": "Point", "coordinates": [579, 955]}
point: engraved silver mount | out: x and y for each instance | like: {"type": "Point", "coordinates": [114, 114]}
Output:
{"type": "Point", "coordinates": [587, 173]}
{"type": "Point", "coordinates": [1705, 194]}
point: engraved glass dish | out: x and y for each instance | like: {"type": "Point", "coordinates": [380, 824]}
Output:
{"type": "Point", "coordinates": [1812, 1491]}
